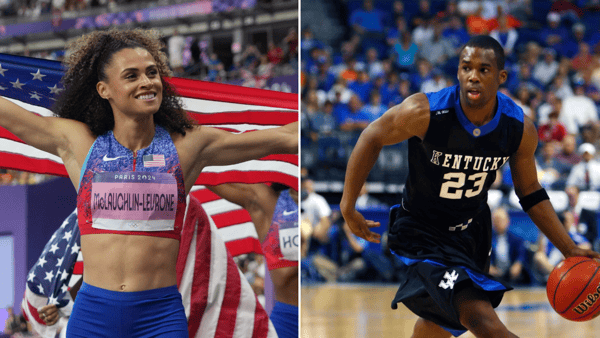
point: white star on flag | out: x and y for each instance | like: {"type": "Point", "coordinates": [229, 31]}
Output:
{"type": "Point", "coordinates": [35, 95]}
{"type": "Point", "coordinates": [2, 70]}
{"type": "Point", "coordinates": [65, 274]}
{"type": "Point", "coordinates": [52, 300]}
{"type": "Point", "coordinates": [64, 288]}
{"type": "Point", "coordinates": [75, 249]}
{"type": "Point", "coordinates": [2, 88]}
{"type": "Point", "coordinates": [31, 277]}
{"type": "Point", "coordinates": [59, 261]}
{"type": "Point", "coordinates": [53, 248]}
{"type": "Point", "coordinates": [67, 235]}
{"type": "Point", "coordinates": [41, 288]}
{"type": "Point", "coordinates": [55, 89]}
{"type": "Point", "coordinates": [37, 76]}
{"type": "Point", "coordinates": [17, 84]}
{"type": "Point", "coordinates": [42, 261]}
{"type": "Point", "coordinates": [49, 276]}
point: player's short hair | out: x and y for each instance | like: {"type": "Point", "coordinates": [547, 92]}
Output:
{"type": "Point", "coordinates": [488, 42]}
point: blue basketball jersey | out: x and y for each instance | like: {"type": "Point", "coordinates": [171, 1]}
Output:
{"type": "Point", "coordinates": [452, 169]}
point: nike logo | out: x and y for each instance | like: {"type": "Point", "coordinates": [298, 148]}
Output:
{"type": "Point", "coordinates": [287, 213]}
{"type": "Point", "coordinates": [106, 158]}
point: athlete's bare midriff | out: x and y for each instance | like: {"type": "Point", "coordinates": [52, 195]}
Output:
{"type": "Point", "coordinates": [285, 283]}
{"type": "Point", "coordinates": [128, 262]}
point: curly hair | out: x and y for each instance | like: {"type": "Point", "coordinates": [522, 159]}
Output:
{"type": "Point", "coordinates": [86, 63]}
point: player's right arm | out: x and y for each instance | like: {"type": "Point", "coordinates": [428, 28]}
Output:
{"type": "Point", "coordinates": [68, 139]}
{"type": "Point", "coordinates": [399, 123]}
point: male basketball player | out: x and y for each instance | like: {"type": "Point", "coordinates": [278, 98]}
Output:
{"type": "Point", "coordinates": [458, 138]}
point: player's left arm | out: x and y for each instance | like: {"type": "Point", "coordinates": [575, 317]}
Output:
{"type": "Point", "coordinates": [526, 184]}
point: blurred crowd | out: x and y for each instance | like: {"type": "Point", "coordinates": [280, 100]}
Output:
{"type": "Point", "coordinates": [393, 49]}
{"type": "Point", "coordinates": [15, 177]}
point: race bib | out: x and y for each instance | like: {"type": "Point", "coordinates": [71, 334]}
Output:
{"type": "Point", "coordinates": [134, 201]}
{"type": "Point", "coordinates": [289, 242]}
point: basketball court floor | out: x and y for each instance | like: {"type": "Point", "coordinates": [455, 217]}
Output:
{"type": "Point", "coordinates": [359, 310]}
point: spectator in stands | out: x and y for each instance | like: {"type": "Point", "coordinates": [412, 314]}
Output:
{"type": "Point", "coordinates": [438, 50]}
{"type": "Point", "coordinates": [476, 23]}
{"type": "Point", "coordinates": [568, 155]}
{"type": "Point", "coordinates": [551, 103]}
{"type": "Point", "coordinates": [275, 53]}
{"type": "Point", "coordinates": [560, 86]}
{"type": "Point", "coordinates": [548, 256]}
{"type": "Point", "coordinates": [374, 67]}
{"type": "Point", "coordinates": [405, 52]}
{"type": "Point", "coordinates": [316, 228]}
{"type": "Point", "coordinates": [323, 121]}
{"type": "Point", "coordinates": [554, 34]}
{"type": "Point", "coordinates": [374, 109]}
{"type": "Point", "coordinates": [578, 110]}
{"type": "Point", "coordinates": [176, 45]}
{"type": "Point", "coordinates": [291, 43]}
{"type": "Point", "coordinates": [551, 173]}
{"type": "Point", "coordinates": [508, 250]}
{"type": "Point", "coordinates": [552, 130]}
{"type": "Point", "coordinates": [423, 15]}
{"type": "Point", "coordinates": [435, 83]}
{"type": "Point", "coordinates": [456, 33]}
{"type": "Point", "coordinates": [403, 91]}
{"type": "Point", "coordinates": [585, 220]}
{"type": "Point", "coordinates": [398, 11]}
{"type": "Point", "coordinates": [506, 36]}
{"type": "Point", "coordinates": [366, 201]}
{"type": "Point", "coordinates": [362, 86]}
{"type": "Point", "coordinates": [339, 94]}
{"type": "Point", "coordinates": [350, 117]}
{"type": "Point", "coordinates": [308, 42]}
{"type": "Point", "coordinates": [423, 33]}
{"type": "Point", "coordinates": [583, 60]}
{"type": "Point", "coordinates": [422, 74]}
{"type": "Point", "coordinates": [546, 69]}
{"type": "Point", "coordinates": [369, 24]}
{"type": "Point", "coordinates": [586, 174]}
{"type": "Point", "coordinates": [571, 46]}
{"type": "Point", "coordinates": [523, 78]}
{"type": "Point", "coordinates": [394, 35]}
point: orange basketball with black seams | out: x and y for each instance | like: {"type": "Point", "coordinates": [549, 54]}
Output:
{"type": "Point", "coordinates": [573, 288]}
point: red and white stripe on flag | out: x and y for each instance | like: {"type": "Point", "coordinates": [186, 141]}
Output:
{"type": "Point", "coordinates": [218, 300]}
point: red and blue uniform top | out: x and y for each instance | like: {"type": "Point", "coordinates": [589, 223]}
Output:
{"type": "Point", "coordinates": [282, 241]}
{"type": "Point", "coordinates": [122, 192]}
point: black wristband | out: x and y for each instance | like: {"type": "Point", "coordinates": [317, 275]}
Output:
{"type": "Point", "coordinates": [532, 199]}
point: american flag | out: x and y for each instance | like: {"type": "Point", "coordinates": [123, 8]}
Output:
{"type": "Point", "coordinates": [35, 83]}
{"type": "Point", "coordinates": [154, 160]}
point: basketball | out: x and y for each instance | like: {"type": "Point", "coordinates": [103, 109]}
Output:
{"type": "Point", "coordinates": [573, 288]}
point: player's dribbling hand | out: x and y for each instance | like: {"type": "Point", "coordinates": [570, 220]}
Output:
{"type": "Point", "coordinates": [582, 252]}
{"type": "Point", "coordinates": [362, 227]}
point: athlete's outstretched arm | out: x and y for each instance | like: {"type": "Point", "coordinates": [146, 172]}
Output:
{"type": "Point", "coordinates": [399, 123]}
{"type": "Point", "coordinates": [524, 173]}
{"type": "Point", "coordinates": [258, 199]}
{"type": "Point", "coordinates": [212, 146]}
{"type": "Point", "coordinates": [45, 133]}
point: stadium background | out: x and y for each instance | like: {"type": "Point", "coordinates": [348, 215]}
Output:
{"type": "Point", "coordinates": [358, 61]}
{"type": "Point", "coordinates": [252, 43]}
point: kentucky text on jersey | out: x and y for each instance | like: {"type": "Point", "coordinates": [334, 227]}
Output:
{"type": "Point", "coordinates": [466, 162]}
{"type": "Point", "coordinates": [134, 202]}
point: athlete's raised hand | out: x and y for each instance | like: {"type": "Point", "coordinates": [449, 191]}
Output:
{"type": "Point", "coordinates": [362, 227]}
